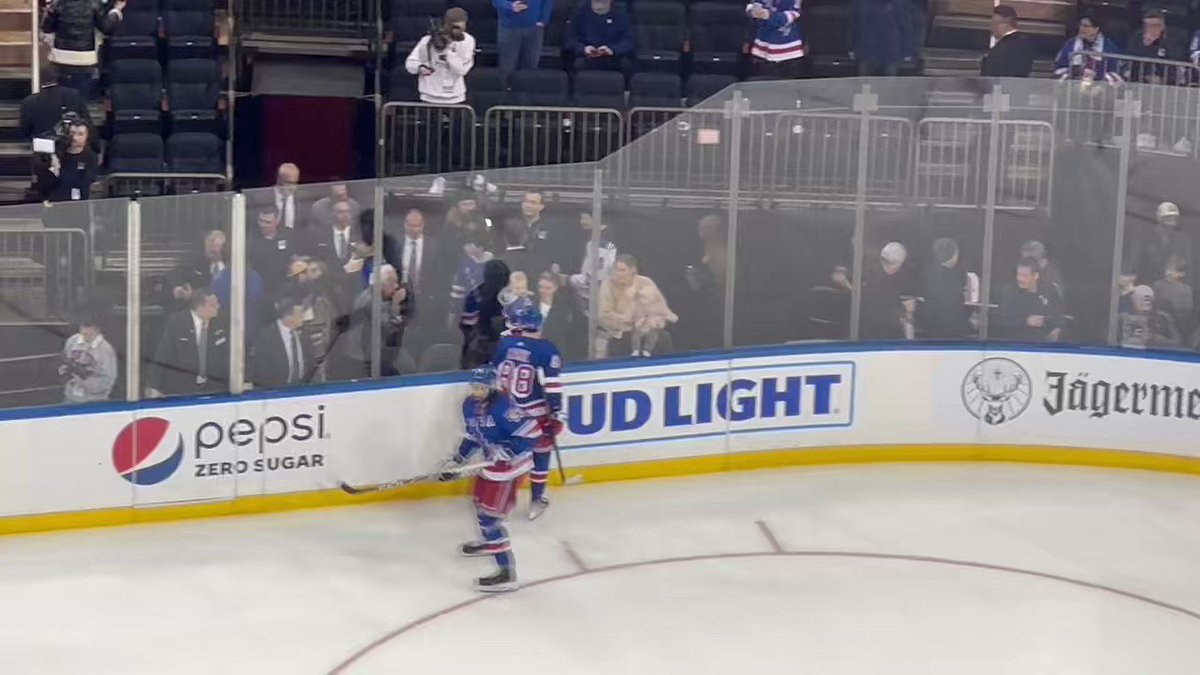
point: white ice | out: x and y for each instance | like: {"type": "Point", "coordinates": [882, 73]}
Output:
{"type": "Point", "coordinates": [304, 592]}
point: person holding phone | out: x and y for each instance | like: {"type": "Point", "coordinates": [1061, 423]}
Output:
{"type": "Point", "coordinates": [519, 35]}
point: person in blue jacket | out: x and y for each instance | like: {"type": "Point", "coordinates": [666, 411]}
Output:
{"type": "Point", "coordinates": [601, 38]}
{"type": "Point", "coordinates": [519, 34]}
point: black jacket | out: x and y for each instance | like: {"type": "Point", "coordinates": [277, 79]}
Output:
{"type": "Point", "coordinates": [943, 314]}
{"type": "Point", "coordinates": [74, 24]}
{"type": "Point", "coordinates": [270, 367]}
{"type": "Point", "coordinates": [177, 359]}
{"type": "Point", "coordinates": [41, 111]}
{"type": "Point", "coordinates": [74, 179]}
{"type": "Point", "coordinates": [566, 326]}
{"type": "Point", "coordinates": [1012, 56]}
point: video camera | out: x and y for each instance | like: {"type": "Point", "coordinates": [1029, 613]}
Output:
{"type": "Point", "coordinates": [441, 35]}
{"type": "Point", "coordinates": [58, 139]}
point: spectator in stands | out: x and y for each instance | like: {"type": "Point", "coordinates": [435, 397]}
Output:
{"type": "Point", "coordinates": [944, 315]}
{"type": "Point", "coordinates": [193, 353]}
{"type": "Point", "coordinates": [633, 312]}
{"type": "Point", "coordinates": [1174, 296]}
{"type": "Point", "coordinates": [887, 309]}
{"type": "Point", "coordinates": [1127, 281]}
{"type": "Point", "coordinates": [517, 288]}
{"type": "Point", "coordinates": [75, 25]}
{"type": "Point", "coordinates": [1028, 312]}
{"type": "Point", "coordinates": [554, 244]}
{"type": "Point", "coordinates": [322, 209]}
{"type": "Point", "coordinates": [442, 60]}
{"type": "Point", "coordinates": [469, 272]}
{"type": "Point", "coordinates": [319, 313]}
{"type": "Point", "coordinates": [282, 355]}
{"type": "Point", "coordinates": [1194, 48]}
{"type": "Point", "coordinates": [68, 173]}
{"type": "Point", "coordinates": [421, 262]}
{"type": "Point", "coordinates": [464, 218]}
{"type": "Point", "coordinates": [89, 364]}
{"type": "Point", "coordinates": [1166, 240]}
{"type": "Point", "coordinates": [1011, 53]}
{"type": "Point", "coordinates": [601, 38]}
{"type": "Point", "coordinates": [597, 261]}
{"type": "Point", "coordinates": [42, 111]}
{"type": "Point", "coordinates": [518, 252]}
{"type": "Point", "coordinates": [520, 32]}
{"type": "Point", "coordinates": [290, 214]}
{"type": "Point", "coordinates": [336, 246]}
{"type": "Point", "coordinates": [702, 308]}
{"type": "Point", "coordinates": [564, 321]}
{"type": "Point", "coordinates": [1154, 42]}
{"type": "Point", "coordinates": [778, 45]}
{"type": "Point", "coordinates": [271, 249]}
{"type": "Point", "coordinates": [1072, 64]}
{"type": "Point", "coordinates": [197, 271]}
{"type": "Point", "coordinates": [256, 298]}
{"type": "Point", "coordinates": [482, 318]}
{"type": "Point", "coordinates": [1148, 327]}
{"type": "Point", "coordinates": [357, 343]}
{"type": "Point", "coordinates": [878, 35]}
{"type": "Point", "coordinates": [1049, 278]}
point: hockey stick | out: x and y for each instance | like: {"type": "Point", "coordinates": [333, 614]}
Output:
{"type": "Point", "coordinates": [423, 478]}
{"type": "Point", "coordinates": [562, 475]}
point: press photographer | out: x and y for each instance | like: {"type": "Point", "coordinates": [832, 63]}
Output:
{"type": "Point", "coordinates": [442, 59]}
{"type": "Point", "coordinates": [64, 163]}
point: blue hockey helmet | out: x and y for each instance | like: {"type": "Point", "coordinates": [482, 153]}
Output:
{"type": "Point", "coordinates": [483, 376]}
{"type": "Point", "coordinates": [523, 315]}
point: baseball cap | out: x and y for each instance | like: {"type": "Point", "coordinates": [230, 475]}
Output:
{"type": "Point", "coordinates": [1167, 209]}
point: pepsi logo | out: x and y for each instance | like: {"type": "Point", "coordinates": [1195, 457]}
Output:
{"type": "Point", "coordinates": [147, 452]}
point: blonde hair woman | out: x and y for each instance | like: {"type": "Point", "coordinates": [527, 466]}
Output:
{"type": "Point", "coordinates": [631, 304]}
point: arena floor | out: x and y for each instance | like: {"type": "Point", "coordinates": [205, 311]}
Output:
{"type": "Point", "coordinates": [911, 569]}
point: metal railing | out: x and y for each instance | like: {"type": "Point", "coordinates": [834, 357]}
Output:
{"type": "Point", "coordinates": [688, 153]}
{"type": "Point", "coordinates": [345, 18]}
{"type": "Point", "coordinates": [542, 140]}
{"type": "Point", "coordinates": [1169, 115]}
{"type": "Point", "coordinates": [427, 138]}
{"type": "Point", "coordinates": [951, 160]}
{"type": "Point", "coordinates": [42, 273]}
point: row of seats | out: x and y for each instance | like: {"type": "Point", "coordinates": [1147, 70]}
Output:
{"type": "Point", "coordinates": [182, 152]}
{"type": "Point", "coordinates": [189, 95]}
{"type": "Point", "coordinates": [588, 89]}
{"type": "Point", "coordinates": [185, 28]}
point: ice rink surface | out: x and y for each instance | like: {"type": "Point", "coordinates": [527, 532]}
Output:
{"type": "Point", "coordinates": [888, 569]}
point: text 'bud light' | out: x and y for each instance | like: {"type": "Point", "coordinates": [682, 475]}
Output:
{"type": "Point", "coordinates": [777, 397]}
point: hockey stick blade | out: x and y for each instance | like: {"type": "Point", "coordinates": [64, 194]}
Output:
{"type": "Point", "coordinates": [423, 478]}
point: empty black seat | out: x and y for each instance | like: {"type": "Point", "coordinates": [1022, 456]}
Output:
{"type": "Point", "coordinates": [485, 89]}
{"type": "Point", "coordinates": [482, 26]}
{"type": "Point", "coordinates": [661, 28]}
{"type": "Point", "coordinates": [135, 86]}
{"type": "Point", "coordinates": [655, 90]}
{"type": "Point", "coordinates": [541, 87]}
{"type": "Point", "coordinates": [599, 89]}
{"type": "Point", "coordinates": [827, 30]}
{"type": "Point", "coordinates": [700, 87]}
{"type": "Point", "coordinates": [189, 27]}
{"type": "Point", "coordinates": [135, 153]}
{"type": "Point", "coordinates": [716, 32]}
{"type": "Point", "coordinates": [195, 152]}
{"type": "Point", "coordinates": [136, 36]}
{"type": "Point", "coordinates": [192, 90]}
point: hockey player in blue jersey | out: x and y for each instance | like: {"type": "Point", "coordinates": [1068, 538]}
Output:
{"type": "Point", "coordinates": [506, 436]}
{"type": "Point", "coordinates": [528, 369]}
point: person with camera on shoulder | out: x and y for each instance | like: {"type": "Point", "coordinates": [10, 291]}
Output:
{"type": "Point", "coordinates": [442, 59]}
{"type": "Point", "coordinates": [65, 165]}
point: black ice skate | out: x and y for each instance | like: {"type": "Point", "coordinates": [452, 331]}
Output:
{"type": "Point", "coordinates": [474, 549]}
{"type": "Point", "coordinates": [501, 582]}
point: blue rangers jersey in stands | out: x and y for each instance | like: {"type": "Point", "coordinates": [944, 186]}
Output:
{"type": "Point", "coordinates": [504, 433]}
{"type": "Point", "coordinates": [468, 276]}
{"type": "Point", "coordinates": [777, 38]}
{"type": "Point", "coordinates": [529, 370]}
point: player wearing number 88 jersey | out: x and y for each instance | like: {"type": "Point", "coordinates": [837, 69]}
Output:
{"type": "Point", "coordinates": [529, 370]}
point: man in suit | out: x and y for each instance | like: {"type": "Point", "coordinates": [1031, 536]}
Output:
{"type": "Point", "coordinates": [272, 249]}
{"type": "Point", "coordinates": [1011, 54]}
{"type": "Point", "coordinates": [282, 355]}
{"type": "Point", "coordinates": [198, 271]}
{"type": "Point", "coordinates": [423, 271]}
{"type": "Point", "coordinates": [193, 353]}
{"type": "Point", "coordinates": [337, 246]}
{"type": "Point", "coordinates": [292, 214]}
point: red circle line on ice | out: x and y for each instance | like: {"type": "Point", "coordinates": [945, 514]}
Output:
{"type": "Point", "coordinates": [345, 666]}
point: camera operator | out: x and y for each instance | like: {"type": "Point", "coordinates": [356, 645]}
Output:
{"type": "Point", "coordinates": [443, 58]}
{"type": "Point", "coordinates": [65, 172]}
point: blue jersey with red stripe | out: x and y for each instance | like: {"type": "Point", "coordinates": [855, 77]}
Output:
{"type": "Point", "coordinates": [777, 37]}
{"type": "Point", "coordinates": [499, 428]}
{"type": "Point", "coordinates": [529, 369]}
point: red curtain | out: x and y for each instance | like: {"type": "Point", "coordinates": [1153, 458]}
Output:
{"type": "Point", "coordinates": [315, 133]}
